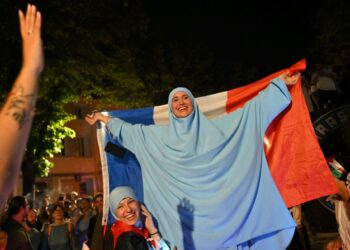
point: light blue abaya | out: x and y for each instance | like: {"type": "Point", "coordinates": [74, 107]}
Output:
{"type": "Point", "coordinates": [207, 181]}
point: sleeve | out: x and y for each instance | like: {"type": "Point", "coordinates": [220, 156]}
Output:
{"type": "Point", "coordinates": [265, 106]}
{"type": "Point", "coordinates": [126, 134]}
{"type": "Point", "coordinates": [163, 245]}
{"type": "Point", "coordinates": [272, 101]}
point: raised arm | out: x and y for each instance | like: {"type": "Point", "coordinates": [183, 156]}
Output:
{"type": "Point", "coordinates": [17, 113]}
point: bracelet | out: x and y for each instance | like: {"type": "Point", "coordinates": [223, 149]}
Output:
{"type": "Point", "coordinates": [154, 233]}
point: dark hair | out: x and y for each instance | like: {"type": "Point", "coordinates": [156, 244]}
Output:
{"type": "Point", "coordinates": [56, 205]}
{"type": "Point", "coordinates": [98, 195]}
{"type": "Point", "coordinates": [130, 238]}
{"type": "Point", "coordinates": [15, 204]}
{"type": "Point", "coordinates": [86, 199]}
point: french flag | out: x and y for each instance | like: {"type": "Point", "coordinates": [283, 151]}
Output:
{"type": "Point", "coordinates": [296, 161]}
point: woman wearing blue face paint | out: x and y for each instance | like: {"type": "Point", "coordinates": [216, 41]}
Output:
{"type": "Point", "coordinates": [217, 166]}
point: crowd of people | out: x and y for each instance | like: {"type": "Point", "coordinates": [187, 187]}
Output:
{"type": "Point", "coordinates": [75, 222]}
{"type": "Point", "coordinates": [67, 223]}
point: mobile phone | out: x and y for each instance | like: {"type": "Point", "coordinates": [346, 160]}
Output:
{"type": "Point", "coordinates": [115, 150]}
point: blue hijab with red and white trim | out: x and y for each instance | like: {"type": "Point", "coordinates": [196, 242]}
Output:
{"type": "Point", "coordinates": [206, 181]}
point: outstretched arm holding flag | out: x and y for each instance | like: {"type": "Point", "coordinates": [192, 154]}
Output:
{"type": "Point", "coordinates": [218, 166]}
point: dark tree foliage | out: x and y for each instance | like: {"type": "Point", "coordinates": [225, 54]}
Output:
{"type": "Point", "coordinates": [131, 54]}
{"type": "Point", "coordinates": [89, 54]}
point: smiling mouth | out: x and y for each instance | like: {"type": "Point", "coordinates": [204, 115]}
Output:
{"type": "Point", "coordinates": [130, 216]}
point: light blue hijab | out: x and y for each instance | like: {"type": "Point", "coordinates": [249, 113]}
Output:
{"type": "Point", "coordinates": [194, 129]}
{"type": "Point", "coordinates": [207, 181]}
{"type": "Point", "coordinates": [117, 195]}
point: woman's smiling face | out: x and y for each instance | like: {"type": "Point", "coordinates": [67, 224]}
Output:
{"type": "Point", "coordinates": [128, 211]}
{"type": "Point", "coordinates": [181, 104]}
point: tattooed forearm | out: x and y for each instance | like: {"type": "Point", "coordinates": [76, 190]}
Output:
{"type": "Point", "coordinates": [20, 107]}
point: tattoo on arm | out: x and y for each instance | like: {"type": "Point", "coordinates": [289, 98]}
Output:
{"type": "Point", "coordinates": [20, 107]}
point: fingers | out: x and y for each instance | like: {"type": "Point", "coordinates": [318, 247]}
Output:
{"type": "Point", "coordinates": [30, 18]}
{"type": "Point", "coordinates": [145, 211]}
{"type": "Point", "coordinates": [37, 25]}
{"type": "Point", "coordinates": [21, 22]}
{"type": "Point", "coordinates": [31, 21]}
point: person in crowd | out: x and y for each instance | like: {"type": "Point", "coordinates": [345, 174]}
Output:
{"type": "Point", "coordinates": [134, 227]}
{"type": "Point", "coordinates": [32, 219]}
{"type": "Point", "coordinates": [74, 196]}
{"type": "Point", "coordinates": [67, 208]}
{"type": "Point", "coordinates": [341, 175]}
{"type": "Point", "coordinates": [98, 208]}
{"type": "Point", "coordinates": [98, 203]}
{"type": "Point", "coordinates": [31, 227]}
{"type": "Point", "coordinates": [44, 214]}
{"type": "Point", "coordinates": [18, 237]}
{"type": "Point", "coordinates": [220, 156]}
{"type": "Point", "coordinates": [61, 198]}
{"type": "Point", "coordinates": [59, 234]}
{"type": "Point", "coordinates": [17, 112]}
{"type": "Point", "coordinates": [300, 239]}
{"type": "Point", "coordinates": [325, 92]}
{"type": "Point", "coordinates": [100, 236]}
{"type": "Point", "coordinates": [82, 224]}
{"type": "Point", "coordinates": [76, 211]}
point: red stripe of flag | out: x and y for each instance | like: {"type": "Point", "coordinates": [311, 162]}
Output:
{"type": "Point", "coordinates": [295, 158]}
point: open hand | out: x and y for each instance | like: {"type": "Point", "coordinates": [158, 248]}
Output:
{"type": "Point", "coordinates": [149, 224]}
{"type": "Point", "coordinates": [30, 27]}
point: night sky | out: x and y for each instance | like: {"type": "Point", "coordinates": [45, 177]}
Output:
{"type": "Point", "coordinates": [262, 34]}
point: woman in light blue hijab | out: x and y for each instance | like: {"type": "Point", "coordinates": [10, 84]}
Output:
{"type": "Point", "coordinates": [134, 228]}
{"type": "Point", "coordinates": [208, 181]}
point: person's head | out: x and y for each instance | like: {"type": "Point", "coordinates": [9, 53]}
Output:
{"type": "Point", "coordinates": [74, 196]}
{"type": "Point", "coordinates": [67, 204]}
{"type": "Point", "coordinates": [57, 212]}
{"type": "Point", "coordinates": [61, 198]}
{"type": "Point", "coordinates": [18, 208]}
{"type": "Point", "coordinates": [46, 201]}
{"type": "Point", "coordinates": [181, 102]}
{"type": "Point", "coordinates": [32, 217]}
{"type": "Point", "coordinates": [85, 204]}
{"type": "Point", "coordinates": [98, 202]}
{"type": "Point", "coordinates": [124, 205]}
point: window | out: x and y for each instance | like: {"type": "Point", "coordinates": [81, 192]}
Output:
{"type": "Point", "coordinates": [79, 146]}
